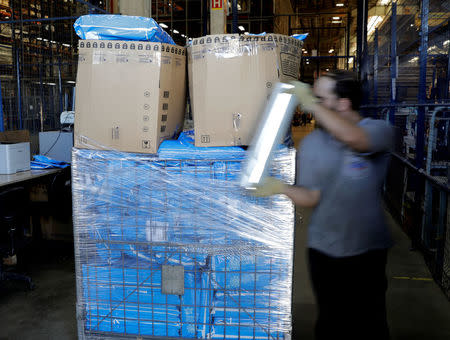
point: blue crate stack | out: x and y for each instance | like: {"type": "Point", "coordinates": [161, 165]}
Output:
{"type": "Point", "coordinates": [135, 213]}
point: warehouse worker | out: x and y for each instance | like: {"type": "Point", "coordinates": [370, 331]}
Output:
{"type": "Point", "coordinates": [341, 169]}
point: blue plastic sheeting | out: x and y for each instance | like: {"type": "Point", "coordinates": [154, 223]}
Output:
{"type": "Point", "coordinates": [120, 27]}
{"type": "Point", "coordinates": [257, 34]}
{"type": "Point", "coordinates": [122, 298]}
{"type": "Point", "coordinates": [40, 162]}
{"type": "Point", "coordinates": [184, 148]}
{"type": "Point", "coordinates": [300, 37]}
{"type": "Point", "coordinates": [134, 213]}
{"type": "Point", "coordinates": [223, 299]}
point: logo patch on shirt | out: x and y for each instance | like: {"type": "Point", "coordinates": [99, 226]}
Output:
{"type": "Point", "coordinates": [355, 166]}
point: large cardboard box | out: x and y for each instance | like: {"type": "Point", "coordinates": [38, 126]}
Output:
{"type": "Point", "coordinates": [130, 96]}
{"type": "Point", "coordinates": [230, 80]}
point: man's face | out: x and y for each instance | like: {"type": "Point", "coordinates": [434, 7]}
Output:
{"type": "Point", "coordinates": [324, 90]}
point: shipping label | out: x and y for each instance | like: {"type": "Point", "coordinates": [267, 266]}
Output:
{"type": "Point", "coordinates": [290, 65]}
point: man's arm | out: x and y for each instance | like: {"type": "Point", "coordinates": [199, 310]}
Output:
{"type": "Point", "coordinates": [302, 196]}
{"type": "Point", "coordinates": [346, 132]}
{"type": "Point", "coordinates": [343, 130]}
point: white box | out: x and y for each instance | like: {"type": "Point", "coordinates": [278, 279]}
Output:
{"type": "Point", "coordinates": [14, 157]}
{"type": "Point", "coordinates": [56, 145]}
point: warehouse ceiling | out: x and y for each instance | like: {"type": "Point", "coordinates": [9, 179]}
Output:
{"type": "Point", "coordinates": [329, 24]}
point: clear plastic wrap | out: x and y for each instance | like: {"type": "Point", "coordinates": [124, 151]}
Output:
{"type": "Point", "coordinates": [136, 215]}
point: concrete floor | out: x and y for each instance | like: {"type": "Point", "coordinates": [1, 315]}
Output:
{"type": "Point", "coordinates": [417, 309]}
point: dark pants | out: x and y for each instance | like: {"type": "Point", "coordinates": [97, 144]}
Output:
{"type": "Point", "coordinates": [350, 294]}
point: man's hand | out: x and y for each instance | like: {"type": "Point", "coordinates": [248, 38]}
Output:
{"type": "Point", "coordinates": [271, 186]}
{"type": "Point", "coordinates": [304, 95]}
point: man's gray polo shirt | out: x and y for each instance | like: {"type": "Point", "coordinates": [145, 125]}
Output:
{"type": "Point", "coordinates": [349, 219]}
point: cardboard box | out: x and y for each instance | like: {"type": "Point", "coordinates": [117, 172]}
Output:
{"type": "Point", "coordinates": [14, 151]}
{"type": "Point", "coordinates": [230, 80]}
{"type": "Point", "coordinates": [130, 94]}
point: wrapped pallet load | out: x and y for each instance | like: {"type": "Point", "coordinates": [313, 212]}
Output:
{"type": "Point", "coordinates": [230, 80]}
{"type": "Point", "coordinates": [130, 94]}
{"type": "Point", "coordinates": [170, 247]}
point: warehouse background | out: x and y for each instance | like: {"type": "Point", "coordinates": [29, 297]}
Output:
{"type": "Point", "coordinates": [400, 50]}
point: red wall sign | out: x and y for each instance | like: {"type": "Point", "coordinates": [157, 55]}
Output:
{"type": "Point", "coordinates": [216, 4]}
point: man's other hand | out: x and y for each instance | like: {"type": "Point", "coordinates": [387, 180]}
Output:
{"type": "Point", "coordinates": [304, 95]}
{"type": "Point", "coordinates": [271, 186]}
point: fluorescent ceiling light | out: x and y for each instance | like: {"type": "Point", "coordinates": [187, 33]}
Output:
{"type": "Point", "coordinates": [241, 28]}
{"type": "Point", "coordinates": [307, 63]}
{"type": "Point", "coordinates": [183, 36]}
{"type": "Point", "coordinates": [446, 42]}
{"type": "Point", "coordinates": [385, 2]}
{"type": "Point", "coordinates": [331, 50]}
{"type": "Point", "coordinates": [373, 22]}
{"type": "Point", "coordinates": [350, 60]}
{"type": "Point", "coordinates": [163, 25]}
{"type": "Point", "coordinates": [70, 82]}
{"type": "Point", "coordinates": [305, 51]}
{"type": "Point", "coordinates": [327, 69]}
{"type": "Point", "coordinates": [175, 31]}
{"type": "Point", "coordinates": [336, 22]}
{"type": "Point", "coordinates": [339, 5]}
{"type": "Point", "coordinates": [245, 33]}
{"type": "Point", "coordinates": [67, 45]}
{"type": "Point", "coordinates": [336, 18]}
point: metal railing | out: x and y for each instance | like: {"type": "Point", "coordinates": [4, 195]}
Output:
{"type": "Point", "coordinates": [420, 204]}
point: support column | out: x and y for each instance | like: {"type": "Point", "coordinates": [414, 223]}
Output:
{"type": "Point", "coordinates": [422, 96]}
{"type": "Point", "coordinates": [361, 39]}
{"type": "Point", "coordinates": [394, 66]}
{"type": "Point", "coordinates": [218, 16]}
{"type": "Point", "coordinates": [375, 68]}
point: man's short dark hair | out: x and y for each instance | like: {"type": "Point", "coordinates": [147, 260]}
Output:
{"type": "Point", "coordinates": [347, 86]}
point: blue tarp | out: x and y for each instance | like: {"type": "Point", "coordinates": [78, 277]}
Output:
{"type": "Point", "coordinates": [300, 37]}
{"type": "Point", "coordinates": [40, 162]}
{"type": "Point", "coordinates": [120, 27]}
